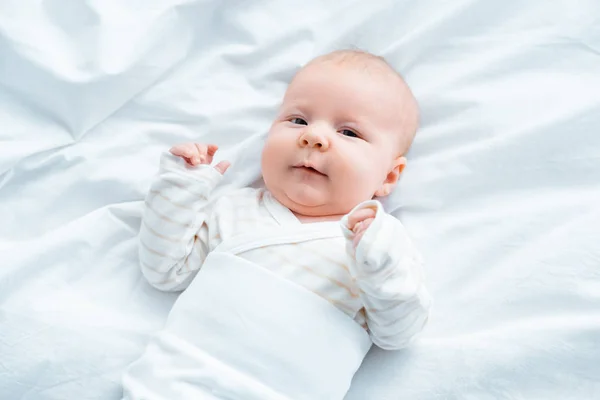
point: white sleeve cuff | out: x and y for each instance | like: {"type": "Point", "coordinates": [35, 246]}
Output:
{"type": "Point", "coordinates": [374, 204]}
{"type": "Point", "coordinates": [385, 239]}
{"type": "Point", "coordinates": [205, 174]}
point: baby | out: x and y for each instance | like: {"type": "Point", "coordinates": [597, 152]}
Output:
{"type": "Point", "coordinates": [287, 286]}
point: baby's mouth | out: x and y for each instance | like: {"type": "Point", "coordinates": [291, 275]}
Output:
{"type": "Point", "coordinates": [309, 169]}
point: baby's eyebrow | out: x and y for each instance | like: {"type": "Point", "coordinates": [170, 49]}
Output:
{"type": "Point", "coordinates": [294, 107]}
{"type": "Point", "coordinates": [361, 123]}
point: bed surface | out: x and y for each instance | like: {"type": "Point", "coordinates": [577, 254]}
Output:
{"type": "Point", "coordinates": [501, 192]}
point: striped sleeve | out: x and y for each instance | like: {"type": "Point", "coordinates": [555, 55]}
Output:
{"type": "Point", "coordinates": [388, 271]}
{"type": "Point", "coordinates": [174, 233]}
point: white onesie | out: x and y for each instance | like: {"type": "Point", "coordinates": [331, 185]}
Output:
{"type": "Point", "coordinates": [379, 284]}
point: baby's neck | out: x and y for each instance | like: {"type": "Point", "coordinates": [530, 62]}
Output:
{"type": "Point", "coordinates": [307, 219]}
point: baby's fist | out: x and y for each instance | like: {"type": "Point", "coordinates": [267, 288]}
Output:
{"type": "Point", "coordinates": [197, 153]}
{"type": "Point", "coordinates": [359, 221]}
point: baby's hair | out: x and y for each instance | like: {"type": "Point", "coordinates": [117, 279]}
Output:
{"type": "Point", "coordinates": [357, 58]}
{"type": "Point", "coordinates": [370, 62]}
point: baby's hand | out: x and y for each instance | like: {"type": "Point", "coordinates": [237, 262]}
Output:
{"type": "Point", "coordinates": [359, 222]}
{"type": "Point", "coordinates": [197, 153]}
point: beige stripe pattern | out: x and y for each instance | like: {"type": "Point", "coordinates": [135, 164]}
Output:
{"type": "Point", "coordinates": [180, 227]}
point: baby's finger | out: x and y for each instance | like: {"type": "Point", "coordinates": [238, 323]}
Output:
{"type": "Point", "coordinates": [222, 166]}
{"type": "Point", "coordinates": [177, 150]}
{"type": "Point", "coordinates": [361, 228]}
{"type": "Point", "coordinates": [212, 149]}
{"type": "Point", "coordinates": [183, 152]}
{"type": "Point", "coordinates": [366, 223]}
{"type": "Point", "coordinates": [355, 218]}
{"type": "Point", "coordinates": [360, 215]}
{"type": "Point", "coordinates": [356, 239]}
{"type": "Point", "coordinates": [200, 153]}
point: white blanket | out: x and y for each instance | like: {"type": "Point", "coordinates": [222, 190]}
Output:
{"type": "Point", "coordinates": [501, 193]}
{"type": "Point", "coordinates": [241, 332]}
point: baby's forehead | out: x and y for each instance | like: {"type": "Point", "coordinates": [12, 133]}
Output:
{"type": "Point", "coordinates": [396, 97]}
{"type": "Point", "coordinates": [371, 70]}
{"type": "Point", "coordinates": [359, 61]}
{"type": "Point", "coordinates": [345, 86]}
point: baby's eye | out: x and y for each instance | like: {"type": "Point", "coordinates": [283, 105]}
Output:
{"type": "Point", "coordinates": [298, 121]}
{"type": "Point", "coordinates": [349, 133]}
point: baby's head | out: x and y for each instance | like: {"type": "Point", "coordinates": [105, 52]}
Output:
{"type": "Point", "coordinates": [346, 121]}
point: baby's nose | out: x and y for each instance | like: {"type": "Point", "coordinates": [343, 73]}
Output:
{"type": "Point", "coordinates": [314, 139]}
{"type": "Point", "coordinates": [312, 142]}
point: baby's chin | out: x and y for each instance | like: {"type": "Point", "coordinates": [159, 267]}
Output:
{"type": "Point", "coordinates": [303, 201]}
{"type": "Point", "coordinates": [311, 204]}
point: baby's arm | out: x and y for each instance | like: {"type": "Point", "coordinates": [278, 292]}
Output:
{"type": "Point", "coordinates": [388, 272]}
{"type": "Point", "coordinates": [174, 234]}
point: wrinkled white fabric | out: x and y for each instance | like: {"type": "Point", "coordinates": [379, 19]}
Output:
{"type": "Point", "coordinates": [500, 194]}
{"type": "Point", "coordinates": [240, 331]}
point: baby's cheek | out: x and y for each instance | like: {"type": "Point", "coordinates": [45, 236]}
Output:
{"type": "Point", "coordinates": [353, 186]}
{"type": "Point", "coordinates": [270, 163]}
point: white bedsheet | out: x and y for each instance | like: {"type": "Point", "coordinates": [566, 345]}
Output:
{"type": "Point", "coordinates": [502, 190]}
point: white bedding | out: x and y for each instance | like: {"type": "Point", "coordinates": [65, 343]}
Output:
{"type": "Point", "coordinates": [502, 191]}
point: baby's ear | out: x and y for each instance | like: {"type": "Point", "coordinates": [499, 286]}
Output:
{"type": "Point", "coordinates": [392, 177]}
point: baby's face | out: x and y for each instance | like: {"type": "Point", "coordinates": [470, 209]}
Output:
{"type": "Point", "coordinates": [336, 141]}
